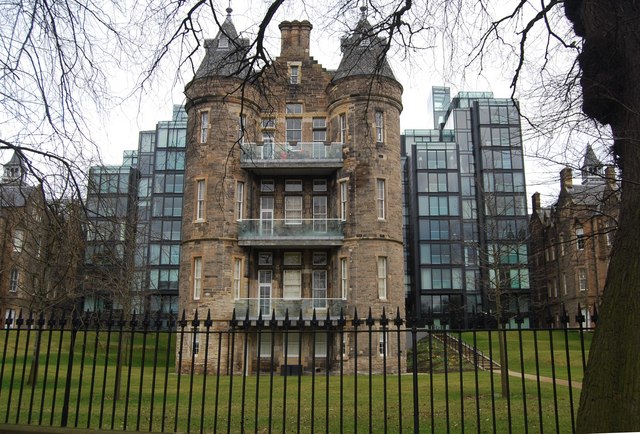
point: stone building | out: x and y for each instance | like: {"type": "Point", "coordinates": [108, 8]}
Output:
{"type": "Point", "coordinates": [293, 202]}
{"type": "Point", "coordinates": [571, 243]}
{"type": "Point", "coordinates": [41, 246]}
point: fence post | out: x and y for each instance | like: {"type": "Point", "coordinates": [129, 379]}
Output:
{"type": "Point", "coordinates": [75, 323]}
{"type": "Point", "coordinates": [414, 357]}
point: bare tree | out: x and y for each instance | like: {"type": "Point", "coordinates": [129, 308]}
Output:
{"type": "Point", "coordinates": [54, 54]}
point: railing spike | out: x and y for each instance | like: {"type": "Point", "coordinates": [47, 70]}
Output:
{"type": "Point", "coordinates": [580, 319]}
{"type": "Point", "coordinates": [196, 321]}
{"type": "Point", "coordinates": [234, 321]}
{"type": "Point", "coordinates": [398, 320]}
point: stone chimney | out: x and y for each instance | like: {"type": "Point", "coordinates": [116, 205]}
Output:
{"type": "Point", "coordinates": [295, 36]}
{"type": "Point", "coordinates": [566, 178]}
{"type": "Point", "coordinates": [610, 176]}
{"type": "Point", "coordinates": [535, 202]}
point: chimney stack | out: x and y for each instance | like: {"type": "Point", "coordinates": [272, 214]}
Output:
{"type": "Point", "coordinates": [295, 36]}
{"type": "Point", "coordinates": [535, 202]}
{"type": "Point", "coordinates": [566, 178]}
{"type": "Point", "coordinates": [610, 176]}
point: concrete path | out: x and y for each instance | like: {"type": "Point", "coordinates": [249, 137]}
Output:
{"type": "Point", "coordinates": [574, 384]}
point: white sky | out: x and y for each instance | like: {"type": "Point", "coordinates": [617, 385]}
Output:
{"type": "Point", "coordinates": [118, 130]}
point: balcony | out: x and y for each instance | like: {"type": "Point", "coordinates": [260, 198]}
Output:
{"type": "Point", "coordinates": [295, 306]}
{"type": "Point", "coordinates": [292, 158]}
{"type": "Point", "coordinates": [290, 232]}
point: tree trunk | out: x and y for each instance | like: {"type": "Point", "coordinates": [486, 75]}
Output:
{"type": "Point", "coordinates": [35, 361]}
{"type": "Point", "coordinates": [610, 398]}
{"type": "Point", "coordinates": [610, 63]}
{"type": "Point", "coordinates": [504, 369]}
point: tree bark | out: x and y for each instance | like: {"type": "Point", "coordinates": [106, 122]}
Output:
{"type": "Point", "coordinates": [610, 399]}
{"type": "Point", "coordinates": [610, 62]}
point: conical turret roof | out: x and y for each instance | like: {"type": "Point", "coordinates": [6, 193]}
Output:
{"type": "Point", "coordinates": [225, 54]}
{"type": "Point", "coordinates": [363, 53]}
{"type": "Point", "coordinates": [591, 166]}
{"type": "Point", "coordinates": [14, 169]}
{"type": "Point", "coordinates": [590, 159]}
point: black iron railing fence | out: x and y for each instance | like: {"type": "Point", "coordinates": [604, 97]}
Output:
{"type": "Point", "coordinates": [320, 374]}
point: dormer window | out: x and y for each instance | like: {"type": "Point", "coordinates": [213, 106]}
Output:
{"type": "Point", "coordinates": [223, 42]}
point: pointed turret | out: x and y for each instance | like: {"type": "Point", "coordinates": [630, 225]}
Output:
{"type": "Point", "coordinates": [14, 170]}
{"type": "Point", "coordinates": [226, 53]}
{"type": "Point", "coordinates": [364, 52]}
{"type": "Point", "coordinates": [591, 167]}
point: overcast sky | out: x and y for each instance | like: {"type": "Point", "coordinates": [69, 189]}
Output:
{"type": "Point", "coordinates": [118, 129]}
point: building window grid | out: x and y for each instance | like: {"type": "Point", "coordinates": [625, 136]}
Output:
{"type": "Point", "coordinates": [200, 200]}
{"type": "Point", "coordinates": [197, 277]}
{"type": "Point", "coordinates": [14, 280]}
{"type": "Point", "coordinates": [383, 343]}
{"type": "Point", "coordinates": [382, 277]}
{"type": "Point", "coordinates": [379, 121]}
{"type": "Point", "coordinates": [320, 350]}
{"type": "Point", "coordinates": [319, 283]}
{"type": "Point", "coordinates": [294, 74]}
{"type": "Point", "coordinates": [381, 198]}
{"type": "Point", "coordinates": [196, 342]}
{"type": "Point", "coordinates": [292, 284]}
{"type": "Point", "coordinates": [237, 277]}
{"type": "Point", "coordinates": [293, 210]}
{"type": "Point", "coordinates": [343, 200]}
{"type": "Point", "coordinates": [293, 108]}
{"type": "Point", "coordinates": [580, 238]}
{"type": "Point", "coordinates": [582, 279]}
{"type": "Point", "coordinates": [344, 277]}
{"type": "Point", "coordinates": [239, 200]}
{"type": "Point", "coordinates": [343, 128]}
{"type": "Point", "coordinates": [291, 344]}
{"type": "Point", "coordinates": [204, 126]}
{"type": "Point", "coordinates": [18, 240]}
{"type": "Point", "coordinates": [293, 130]}
{"type": "Point", "coordinates": [265, 344]}
{"type": "Point", "coordinates": [242, 129]}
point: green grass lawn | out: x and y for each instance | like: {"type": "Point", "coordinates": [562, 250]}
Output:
{"type": "Point", "coordinates": [154, 398]}
{"type": "Point", "coordinates": [537, 346]}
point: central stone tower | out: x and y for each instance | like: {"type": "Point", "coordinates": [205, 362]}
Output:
{"type": "Point", "coordinates": [293, 202]}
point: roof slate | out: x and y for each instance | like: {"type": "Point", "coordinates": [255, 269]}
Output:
{"type": "Point", "coordinates": [363, 53]}
{"type": "Point", "coordinates": [229, 61]}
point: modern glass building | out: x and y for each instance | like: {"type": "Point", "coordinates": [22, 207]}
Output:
{"type": "Point", "coordinates": [467, 218]}
{"type": "Point", "coordinates": [161, 164]}
{"type": "Point", "coordinates": [110, 234]}
{"type": "Point", "coordinates": [144, 227]}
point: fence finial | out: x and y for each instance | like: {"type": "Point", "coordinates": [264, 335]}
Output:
{"type": "Point", "coordinates": [398, 319]}
{"type": "Point", "coordinates": [580, 319]}
{"type": "Point", "coordinates": [370, 320]}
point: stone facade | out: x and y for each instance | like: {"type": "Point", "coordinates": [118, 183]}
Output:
{"type": "Point", "coordinates": [571, 243]}
{"type": "Point", "coordinates": [293, 204]}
